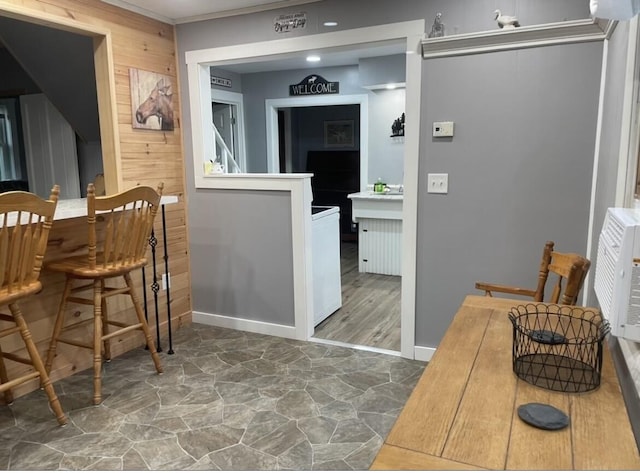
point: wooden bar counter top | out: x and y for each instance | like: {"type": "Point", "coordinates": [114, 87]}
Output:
{"type": "Point", "coordinates": [462, 414]}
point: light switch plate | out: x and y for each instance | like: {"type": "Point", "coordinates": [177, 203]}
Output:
{"type": "Point", "coordinates": [437, 183]}
{"type": "Point", "coordinates": [442, 129]}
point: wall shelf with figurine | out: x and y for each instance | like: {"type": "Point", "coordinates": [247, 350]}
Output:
{"type": "Point", "coordinates": [573, 31]}
{"type": "Point", "coordinates": [397, 128]}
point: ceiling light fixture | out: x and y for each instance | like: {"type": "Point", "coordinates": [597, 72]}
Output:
{"type": "Point", "coordinates": [391, 86]}
{"type": "Point", "coordinates": [313, 58]}
{"type": "Point", "coordinates": [330, 23]}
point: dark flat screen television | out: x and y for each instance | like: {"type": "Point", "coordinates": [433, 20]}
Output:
{"type": "Point", "coordinates": [336, 174]}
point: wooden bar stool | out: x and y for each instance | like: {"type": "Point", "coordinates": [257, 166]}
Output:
{"type": "Point", "coordinates": [127, 222]}
{"type": "Point", "coordinates": [24, 229]}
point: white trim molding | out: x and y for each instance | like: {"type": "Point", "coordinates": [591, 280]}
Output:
{"type": "Point", "coordinates": [629, 131]}
{"type": "Point", "coordinates": [272, 106]}
{"type": "Point", "coordinates": [198, 62]}
{"type": "Point", "coordinates": [246, 325]}
{"type": "Point", "coordinates": [237, 99]}
{"type": "Point", "coordinates": [574, 31]}
{"type": "Point", "coordinates": [299, 187]}
{"type": "Point", "coordinates": [424, 353]}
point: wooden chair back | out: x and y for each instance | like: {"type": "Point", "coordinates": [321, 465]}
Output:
{"type": "Point", "coordinates": [25, 221]}
{"type": "Point", "coordinates": [128, 218]}
{"type": "Point", "coordinates": [571, 270]}
{"type": "Point", "coordinates": [568, 269]}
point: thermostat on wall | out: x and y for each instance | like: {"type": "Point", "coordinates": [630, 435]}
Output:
{"type": "Point", "coordinates": [441, 129]}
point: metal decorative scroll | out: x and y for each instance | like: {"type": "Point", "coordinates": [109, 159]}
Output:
{"type": "Point", "coordinates": [155, 285]}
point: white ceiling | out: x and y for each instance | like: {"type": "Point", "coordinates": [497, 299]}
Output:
{"type": "Point", "coordinates": [329, 58]}
{"type": "Point", "coordinates": [185, 11]}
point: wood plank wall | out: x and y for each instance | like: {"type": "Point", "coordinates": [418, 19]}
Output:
{"type": "Point", "coordinates": [146, 157]}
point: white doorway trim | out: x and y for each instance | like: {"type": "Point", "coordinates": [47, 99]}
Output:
{"type": "Point", "coordinates": [198, 77]}
{"type": "Point", "coordinates": [234, 98]}
{"type": "Point", "coordinates": [272, 106]}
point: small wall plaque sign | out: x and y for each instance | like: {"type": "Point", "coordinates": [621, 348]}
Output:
{"type": "Point", "coordinates": [314, 84]}
{"type": "Point", "coordinates": [221, 81]}
{"type": "Point", "coordinates": [293, 21]}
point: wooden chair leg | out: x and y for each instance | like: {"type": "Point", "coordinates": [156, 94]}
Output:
{"type": "Point", "coordinates": [8, 394]}
{"type": "Point", "coordinates": [37, 363]}
{"type": "Point", "coordinates": [143, 323]}
{"type": "Point", "coordinates": [57, 328]}
{"type": "Point", "coordinates": [105, 325]}
{"type": "Point", "coordinates": [97, 341]}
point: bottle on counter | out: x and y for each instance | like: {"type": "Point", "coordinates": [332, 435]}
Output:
{"type": "Point", "coordinates": [379, 186]}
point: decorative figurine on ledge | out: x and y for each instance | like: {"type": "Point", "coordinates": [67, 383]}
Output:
{"type": "Point", "coordinates": [397, 129]}
{"type": "Point", "coordinates": [506, 22]}
{"type": "Point", "coordinates": [437, 29]}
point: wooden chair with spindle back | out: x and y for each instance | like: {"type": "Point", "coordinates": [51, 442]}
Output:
{"type": "Point", "coordinates": [25, 221]}
{"type": "Point", "coordinates": [127, 220]}
{"type": "Point", "coordinates": [570, 269]}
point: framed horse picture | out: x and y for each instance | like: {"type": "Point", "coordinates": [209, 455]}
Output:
{"type": "Point", "coordinates": [151, 100]}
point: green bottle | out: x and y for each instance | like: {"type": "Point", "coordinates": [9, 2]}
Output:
{"type": "Point", "coordinates": [379, 186]}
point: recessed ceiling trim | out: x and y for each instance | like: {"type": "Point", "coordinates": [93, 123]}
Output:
{"type": "Point", "coordinates": [244, 11]}
{"type": "Point", "coordinates": [206, 16]}
{"type": "Point", "coordinates": [142, 11]}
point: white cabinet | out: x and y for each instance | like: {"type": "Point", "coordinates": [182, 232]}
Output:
{"type": "Point", "coordinates": [379, 219]}
{"type": "Point", "coordinates": [325, 240]}
{"type": "Point", "coordinates": [380, 246]}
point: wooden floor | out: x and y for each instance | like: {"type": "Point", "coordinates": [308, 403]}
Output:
{"type": "Point", "coordinates": [370, 313]}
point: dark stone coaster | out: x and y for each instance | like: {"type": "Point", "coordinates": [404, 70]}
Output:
{"type": "Point", "coordinates": [548, 337]}
{"type": "Point", "coordinates": [543, 416]}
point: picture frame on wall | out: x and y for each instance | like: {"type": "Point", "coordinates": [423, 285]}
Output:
{"type": "Point", "coordinates": [338, 134]}
{"type": "Point", "coordinates": [151, 100]}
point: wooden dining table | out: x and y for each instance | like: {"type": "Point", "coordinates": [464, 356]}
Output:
{"type": "Point", "coordinates": [462, 414]}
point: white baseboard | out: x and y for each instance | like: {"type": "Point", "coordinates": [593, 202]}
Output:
{"type": "Point", "coordinates": [423, 353]}
{"type": "Point", "coordinates": [265, 328]}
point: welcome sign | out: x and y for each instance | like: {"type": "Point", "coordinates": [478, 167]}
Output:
{"type": "Point", "coordinates": [314, 84]}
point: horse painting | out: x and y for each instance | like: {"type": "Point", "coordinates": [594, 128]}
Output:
{"type": "Point", "coordinates": [158, 103]}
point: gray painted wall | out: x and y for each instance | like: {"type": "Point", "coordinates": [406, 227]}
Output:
{"type": "Point", "coordinates": [258, 87]}
{"type": "Point", "coordinates": [460, 237]}
{"type": "Point", "coordinates": [382, 70]}
{"type": "Point", "coordinates": [242, 255]}
{"type": "Point", "coordinates": [459, 16]}
{"type": "Point", "coordinates": [519, 166]}
{"type": "Point", "coordinates": [13, 77]}
{"type": "Point", "coordinates": [385, 154]}
{"type": "Point", "coordinates": [236, 80]}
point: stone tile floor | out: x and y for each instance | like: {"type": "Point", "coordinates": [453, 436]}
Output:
{"type": "Point", "coordinates": [228, 400]}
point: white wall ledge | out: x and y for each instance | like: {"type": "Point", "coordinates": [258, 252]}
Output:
{"type": "Point", "coordinates": [253, 181]}
{"type": "Point", "coordinates": [574, 31]}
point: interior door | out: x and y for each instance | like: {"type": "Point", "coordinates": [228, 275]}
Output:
{"type": "Point", "coordinates": [224, 118]}
{"type": "Point", "coordinates": [50, 148]}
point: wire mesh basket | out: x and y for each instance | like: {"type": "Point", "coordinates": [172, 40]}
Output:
{"type": "Point", "coordinates": [558, 348]}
